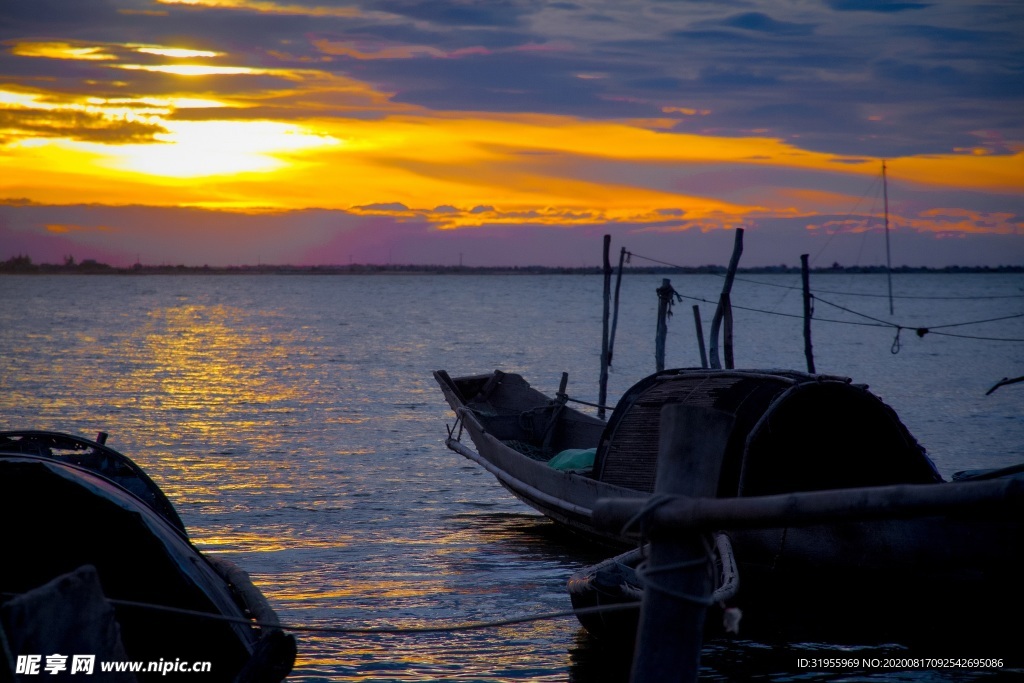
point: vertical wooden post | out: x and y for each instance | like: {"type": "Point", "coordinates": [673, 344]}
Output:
{"type": "Point", "coordinates": [700, 336]}
{"type": "Point", "coordinates": [664, 301]}
{"type": "Point", "coordinates": [678, 585]}
{"type": "Point", "coordinates": [716, 322]}
{"type": "Point", "coordinates": [560, 399]}
{"type": "Point", "coordinates": [888, 254]}
{"type": "Point", "coordinates": [727, 331]}
{"type": "Point", "coordinates": [805, 276]}
{"type": "Point", "coordinates": [602, 395]}
{"type": "Point", "coordinates": [615, 308]}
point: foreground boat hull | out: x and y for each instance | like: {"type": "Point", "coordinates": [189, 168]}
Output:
{"type": "Point", "coordinates": [61, 518]}
{"type": "Point", "coordinates": [933, 582]}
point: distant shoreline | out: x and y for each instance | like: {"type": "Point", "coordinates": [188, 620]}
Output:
{"type": "Point", "coordinates": [24, 266]}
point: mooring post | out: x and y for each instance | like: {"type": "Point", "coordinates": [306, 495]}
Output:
{"type": "Point", "coordinates": [602, 395]}
{"type": "Point", "coordinates": [614, 307]}
{"type": "Point", "coordinates": [664, 302]}
{"type": "Point", "coordinates": [679, 575]}
{"type": "Point", "coordinates": [716, 321]}
{"type": "Point", "coordinates": [700, 336]}
{"type": "Point", "coordinates": [805, 275]}
{"type": "Point", "coordinates": [727, 331]}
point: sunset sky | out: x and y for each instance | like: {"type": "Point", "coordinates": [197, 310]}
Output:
{"type": "Point", "coordinates": [510, 132]}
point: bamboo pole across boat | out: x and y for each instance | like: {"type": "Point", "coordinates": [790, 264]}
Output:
{"type": "Point", "coordinates": [808, 508]}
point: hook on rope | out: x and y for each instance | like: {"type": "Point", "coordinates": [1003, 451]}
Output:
{"type": "Point", "coordinates": [896, 342]}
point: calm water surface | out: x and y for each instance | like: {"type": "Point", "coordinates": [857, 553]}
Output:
{"type": "Point", "coordinates": [294, 422]}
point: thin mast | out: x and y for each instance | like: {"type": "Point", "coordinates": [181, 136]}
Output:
{"type": "Point", "coordinates": [888, 253]}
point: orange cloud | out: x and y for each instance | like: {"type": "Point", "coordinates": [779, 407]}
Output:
{"type": "Point", "coordinates": [967, 222]}
{"type": "Point", "coordinates": [686, 111]}
{"type": "Point", "coordinates": [997, 173]}
{"type": "Point", "coordinates": [937, 221]}
{"type": "Point", "coordinates": [60, 50]}
{"type": "Point", "coordinates": [809, 201]}
{"type": "Point", "coordinates": [64, 228]}
{"type": "Point", "coordinates": [331, 47]}
{"type": "Point", "coordinates": [267, 7]}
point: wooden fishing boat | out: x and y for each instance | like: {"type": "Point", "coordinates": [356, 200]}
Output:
{"type": "Point", "coordinates": [70, 504]}
{"type": "Point", "coordinates": [793, 432]}
{"type": "Point", "coordinates": [517, 431]}
{"type": "Point", "coordinates": [846, 581]}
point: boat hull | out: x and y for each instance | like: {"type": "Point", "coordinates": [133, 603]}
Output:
{"type": "Point", "coordinates": [60, 517]}
{"type": "Point", "coordinates": [568, 498]}
{"type": "Point", "coordinates": [930, 582]}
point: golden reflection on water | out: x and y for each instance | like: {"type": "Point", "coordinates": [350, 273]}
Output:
{"type": "Point", "coordinates": [263, 540]}
{"type": "Point", "coordinates": [490, 655]}
{"type": "Point", "coordinates": [208, 375]}
{"type": "Point", "coordinates": [208, 359]}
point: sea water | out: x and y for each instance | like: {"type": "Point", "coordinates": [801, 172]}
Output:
{"type": "Point", "coordinates": [294, 423]}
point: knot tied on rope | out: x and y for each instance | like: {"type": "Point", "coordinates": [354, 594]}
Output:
{"type": "Point", "coordinates": [668, 295]}
{"type": "Point", "coordinates": [896, 342]}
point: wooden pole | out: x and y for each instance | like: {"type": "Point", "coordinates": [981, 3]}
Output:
{"type": "Point", "coordinates": [805, 274]}
{"type": "Point", "coordinates": [716, 321]}
{"type": "Point", "coordinates": [560, 400]}
{"type": "Point", "coordinates": [700, 336]}
{"type": "Point", "coordinates": [679, 581]}
{"type": "Point", "coordinates": [615, 308]}
{"type": "Point", "coordinates": [664, 301]}
{"type": "Point", "coordinates": [888, 254]}
{"type": "Point", "coordinates": [602, 395]}
{"type": "Point", "coordinates": [727, 331]}
{"type": "Point", "coordinates": [898, 501]}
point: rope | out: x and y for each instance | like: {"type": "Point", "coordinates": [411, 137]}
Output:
{"type": "Point", "coordinates": [641, 517]}
{"type": "Point", "coordinates": [373, 630]}
{"type": "Point", "coordinates": [787, 315]}
{"type": "Point", "coordinates": [828, 291]}
{"type": "Point", "coordinates": [666, 294]}
{"type": "Point", "coordinates": [727, 581]}
{"type": "Point", "coordinates": [875, 322]}
{"type": "Point", "coordinates": [969, 336]}
{"type": "Point", "coordinates": [646, 572]}
{"type": "Point", "coordinates": [922, 331]}
{"type": "Point", "coordinates": [588, 403]}
{"type": "Point", "coordinates": [862, 315]}
{"type": "Point", "coordinates": [978, 322]}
